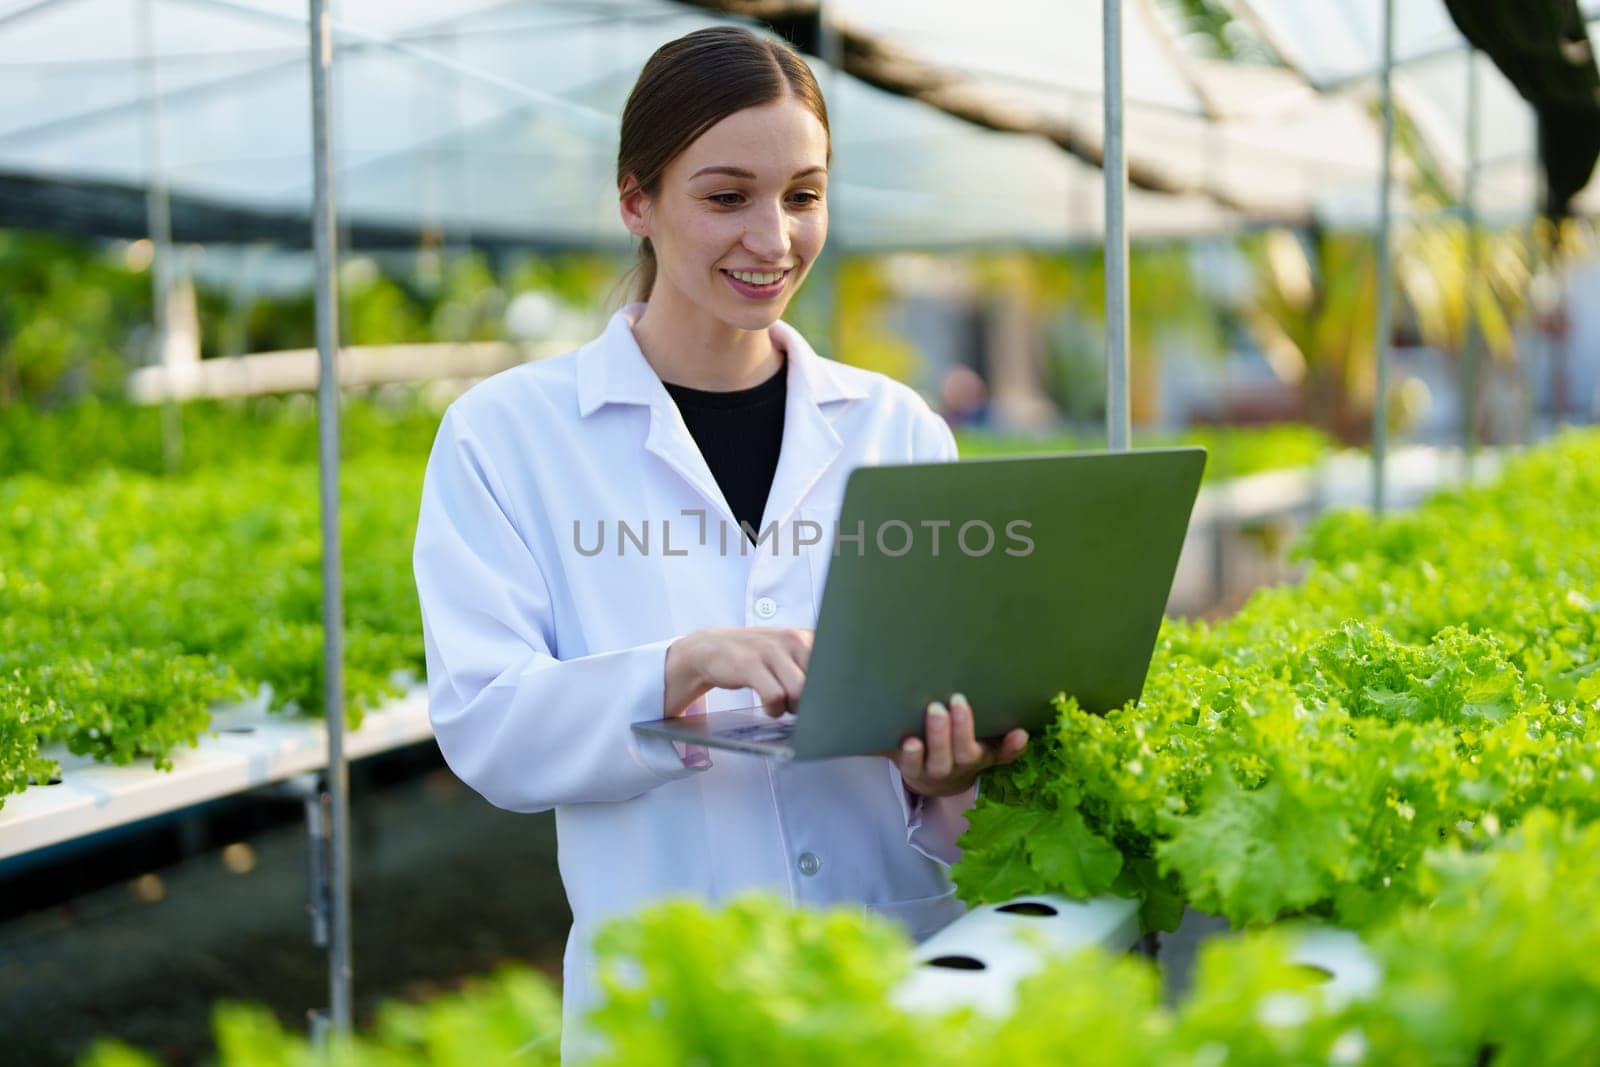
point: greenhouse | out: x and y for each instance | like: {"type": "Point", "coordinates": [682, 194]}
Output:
{"type": "Point", "coordinates": [799, 531]}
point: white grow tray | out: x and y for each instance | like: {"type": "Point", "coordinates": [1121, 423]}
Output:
{"type": "Point", "coordinates": [247, 747]}
{"type": "Point", "coordinates": [978, 960]}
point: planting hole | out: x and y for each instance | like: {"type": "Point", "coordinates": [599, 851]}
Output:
{"type": "Point", "coordinates": [957, 963]}
{"type": "Point", "coordinates": [1028, 907]}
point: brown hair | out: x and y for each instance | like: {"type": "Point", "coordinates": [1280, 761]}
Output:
{"type": "Point", "coordinates": [690, 85]}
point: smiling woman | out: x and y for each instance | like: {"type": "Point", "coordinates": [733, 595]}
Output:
{"type": "Point", "coordinates": [723, 173]}
{"type": "Point", "coordinates": [697, 406]}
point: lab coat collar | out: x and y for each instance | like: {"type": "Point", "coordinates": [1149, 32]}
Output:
{"type": "Point", "coordinates": [612, 370]}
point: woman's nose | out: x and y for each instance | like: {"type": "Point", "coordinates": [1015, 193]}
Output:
{"type": "Point", "coordinates": [767, 233]}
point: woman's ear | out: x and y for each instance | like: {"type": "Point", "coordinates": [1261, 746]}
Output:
{"type": "Point", "coordinates": [634, 207]}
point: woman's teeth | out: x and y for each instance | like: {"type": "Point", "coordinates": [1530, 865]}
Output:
{"type": "Point", "coordinates": [750, 278]}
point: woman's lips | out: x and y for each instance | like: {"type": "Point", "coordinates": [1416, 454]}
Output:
{"type": "Point", "coordinates": [757, 292]}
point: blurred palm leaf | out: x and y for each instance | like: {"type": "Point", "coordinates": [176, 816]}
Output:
{"type": "Point", "coordinates": [1435, 270]}
{"type": "Point", "coordinates": [1315, 315]}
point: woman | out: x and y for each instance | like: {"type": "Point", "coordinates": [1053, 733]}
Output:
{"type": "Point", "coordinates": [553, 621]}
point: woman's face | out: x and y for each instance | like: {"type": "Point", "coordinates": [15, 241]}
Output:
{"type": "Point", "coordinates": [745, 198]}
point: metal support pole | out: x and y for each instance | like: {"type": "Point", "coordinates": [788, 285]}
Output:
{"type": "Point", "coordinates": [1219, 562]}
{"type": "Point", "coordinates": [158, 216]}
{"type": "Point", "coordinates": [1380, 406]}
{"type": "Point", "coordinates": [1535, 345]}
{"type": "Point", "coordinates": [310, 791]}
{"type": "Point", "coordinates": [324, 236]}
{"type": "Point", "coordinates": [1115, 164]}
{"type": "Point", "coordinates": [832, 50]}
{"type": "Point", "coordinates": [1472, 353]}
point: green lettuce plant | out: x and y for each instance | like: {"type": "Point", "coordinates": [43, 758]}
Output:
{"type": "Point", "coordinates": [1496, 962]}
{"type": "Point", "coordinates": [131, 604]}
{"type": "Point", "coordinates": [1433, 678]}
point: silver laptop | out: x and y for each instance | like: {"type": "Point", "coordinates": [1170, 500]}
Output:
{"type": "Point", "coordinates": [1051, 576]}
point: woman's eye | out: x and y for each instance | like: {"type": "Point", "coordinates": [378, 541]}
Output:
{"type": "Point", "coordinates": [732, 199]}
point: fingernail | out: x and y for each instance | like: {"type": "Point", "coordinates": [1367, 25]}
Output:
{"type": "Point", "coordinates": [959, 698]}
{"type": "Point", "coordinates": [937, 708]}
{"type": "Point", "coordinates": [909, 747]}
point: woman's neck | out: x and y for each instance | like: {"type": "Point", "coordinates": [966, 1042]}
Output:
{"type": "Point", "coordinates": [685, 346]}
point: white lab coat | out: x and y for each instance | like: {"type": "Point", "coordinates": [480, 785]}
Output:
{"type": "Point", "coordinates": [542, 651]}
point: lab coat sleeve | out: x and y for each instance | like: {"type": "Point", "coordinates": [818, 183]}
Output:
{"type": "Point", "coordinates": [933, 824]}
{"type": "Point", "coordinates": [526, 730]}
{"type": "Point", "coordinates": [934, 441]}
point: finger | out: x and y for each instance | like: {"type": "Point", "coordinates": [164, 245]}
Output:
{"type": "Point", "coordinates": [1011, 746]}
{"type": "Point", "coordinates": [748, 669]}
{"type": "Point", "coordinates": [936, 731]}
{"type": "Point", "coordinates": [967, 750]}
{"type": "Point", "coordinates": [910, 759]}
{"type": "Point", "coordinates": [774, 700]}
{"type": "Point", "coordinates": [791, 677]}
{"type": "Point", "coordinates": [800, 642]}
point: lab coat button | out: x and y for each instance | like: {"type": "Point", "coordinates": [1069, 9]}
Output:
{"type": "Point", "coordinates": [809, 864]}
{"type": "Point", "coordinates": [766, 607]}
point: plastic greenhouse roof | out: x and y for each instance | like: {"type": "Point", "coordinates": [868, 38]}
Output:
{"type": "Point", "coordinates": [1255, 138]}
{"type": "Point", "coordinates": [1290, 143]}
{"type": "Point", "coordinates": [1336, 45]}
{"type": "Point", "coordinates": [497, 121]}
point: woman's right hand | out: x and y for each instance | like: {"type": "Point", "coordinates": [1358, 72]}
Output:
{"type": "Point", "coordinates": [769, 659]}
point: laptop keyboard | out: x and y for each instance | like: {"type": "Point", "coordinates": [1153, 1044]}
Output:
{"type": "Point", "coordinates": [760, 731]}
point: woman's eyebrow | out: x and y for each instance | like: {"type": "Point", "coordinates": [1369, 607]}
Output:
{"type": "Point", "coordinates": [740, 172]}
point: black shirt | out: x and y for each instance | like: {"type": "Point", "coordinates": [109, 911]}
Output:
{"type": "Point", "coordinates": [739, 434]}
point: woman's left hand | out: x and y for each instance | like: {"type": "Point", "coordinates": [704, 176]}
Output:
{"type": "Point", "coordinates": [949, 757]}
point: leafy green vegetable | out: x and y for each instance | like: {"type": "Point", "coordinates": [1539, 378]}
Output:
{"type": "Point", "coordinates": [756, 982]}
{"type": "Point", "coordinates": [1499, 962]}
{"type": "Point", "coordinates": [130, 604]}
{"type": "Point", "coordinates": [1436, 674]}
{"type": "Point", "coordinates": [72, 443]}
{"type": "Point", "coordinates": [512, 1017]}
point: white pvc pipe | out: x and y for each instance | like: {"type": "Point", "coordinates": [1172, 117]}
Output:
{"type": "Point", "coordinates": [977, 961]}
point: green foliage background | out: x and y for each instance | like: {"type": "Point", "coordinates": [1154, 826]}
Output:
{"type": "Point", "coordinates": [75, 316]}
